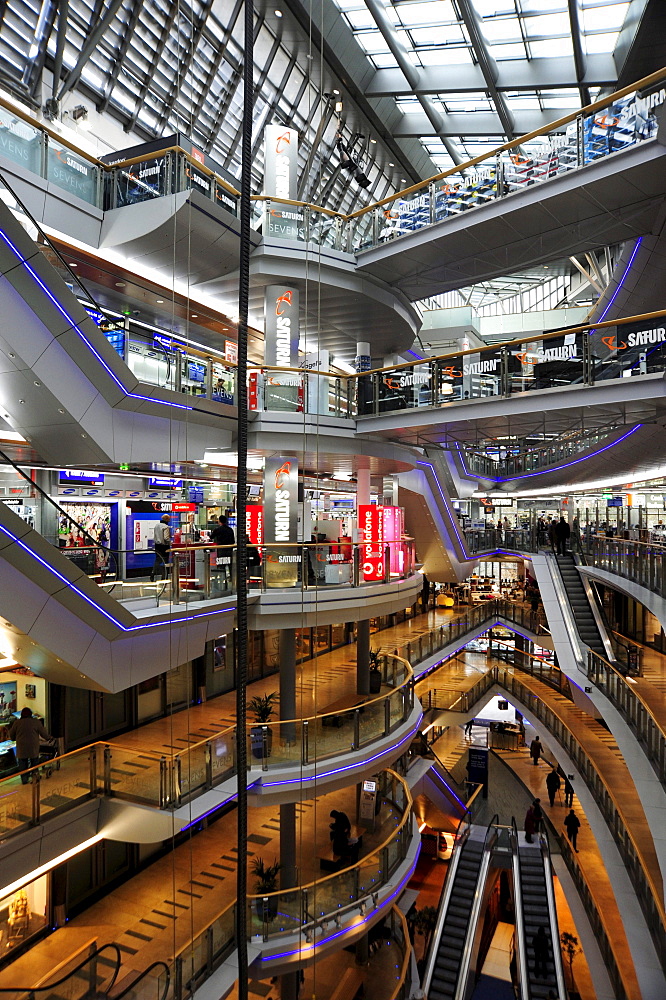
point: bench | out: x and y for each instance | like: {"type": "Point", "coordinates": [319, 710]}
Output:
{"type": "Point", "coordinates": [351, 982]}
{"type": "Point", "coordinates": [334, 714]}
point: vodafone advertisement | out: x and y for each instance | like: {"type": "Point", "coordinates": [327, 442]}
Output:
{"type": "Point", "coordinates": [393, 518]}
{"type": "Point", "coordinates": [371, 526]}
{"type": "Point", "coordinates": [254, 523]}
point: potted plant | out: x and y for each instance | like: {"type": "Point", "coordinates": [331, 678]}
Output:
{"type": "Point", "coordinates": [266, 882]}
{"type": "Point", "coordinates": [375, 673]}
{"type": "Point", "coordinates": [262, 708]}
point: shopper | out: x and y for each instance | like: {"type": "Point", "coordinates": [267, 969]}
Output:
{"type": "Point", "coordinates": [340, 832]}
{"type": "Point", "coordinates": [552, 537]}
{"type": "Point", "coordinates": [530, 827]}
{"type": "Point", "coordinates": [541, 953]}
{"type": "Point", "coordinates": [223, 534]}
{"type": "Point", "coordinates": [469, 725]}
{"type": "Point", "coordinates": [537, 814]}
{"type": "Point", "coordinates": [572, 824]}
{"type": "Point", "coordinates": [553, 785]}
{"type": "Point", "coordinates": [568, 793]}
{"type": "Point", "coordinates": [161, 544]}
{"type": "Point", "coordinates": [28, 733]}
{"type": "Point", "coordinates": [536, 749]}
{"type": "Point", "coordinates": [562, 533]}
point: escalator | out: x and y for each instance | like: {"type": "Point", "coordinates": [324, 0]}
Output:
{"type": "Point", "coordinates": [93, 977]}
{"type": "Point", "coordinates": [535, 909]}
{"type": "Point", "coordinates": [586, 624]}
{"type": "Point", "coordinates": [450, 961]}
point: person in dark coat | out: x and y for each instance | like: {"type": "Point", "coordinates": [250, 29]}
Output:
{"type": "Point", "coordinates": [553, 785]}
{"type": "Point", "coordinates": [536, 749]}
{"type": "Point", "coordinates": [562, 533]}
{"type": "Point", "coordinates": [541, 953]}
{"type": "Point", "coordinates": [568, 793]}
{"type": "Point", "coordinates": [537, 813]}
{"type": "Point", "coordinates": [572, 824]}
{"type": "Point", "coordinates": [530, 827]}
{"type": "Point", "coordinates": [340, 832]}
{"type": "Point", "coordinates": [28, 733]}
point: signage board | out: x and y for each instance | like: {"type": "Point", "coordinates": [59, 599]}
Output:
{"type": "Point", "coordinates": [281, 521]}
{"type": "Point", "coordinates": [71, 172]}
{"type": "Point", "coordinates": [19, 141]}
{"type": "Point", "coordinates": [280, 180]}
{"type": "Point", "coordinates": [231, 352]}
{"type": "Point", "coordinates": [281, 312]}
{"type": "Point", "coordinates": [165, 484]}
{"type": "Point", "coordinates": [477, 767]}
{"type": "Point", "coordinates": [316, 386]}
{"type": "Point", "coordinates": [254, 523]}
{"type": "Point", "coordinates": [371, 527]}
{"type": "Point", "coordinates": [81, 477]}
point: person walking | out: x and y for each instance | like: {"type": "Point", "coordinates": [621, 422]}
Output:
{"type": "Point", "coordinates": [562, 533]}
{"type": "Point", "coordinates": [552, 785]}
{"type": "Point", "coordinates": [572, 825]}
{"type": "Point", "coordinates": [552, 537]}
{"type": "Point", "coordinates": [536, 749]}
{"type": "Point", "coordinates": [568, 793]}
{"type": "Point", "coordinates": [530, 827]}
{"type": "Point", "coordinates": [28, 733]}
{"type": "Point", "coordinates": [469, 725]}
{"type": "Point", "coordinates": [541, 953]}
{"type": "Point", "coordinates": [161, 544]}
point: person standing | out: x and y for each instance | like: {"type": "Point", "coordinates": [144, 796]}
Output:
{"type": "Point", "coordinates": [537, 814]}
{"type": "Point", "coordinates": [562, 533]}
{"type": "Point", "coordinates": [552, 537]}
{"type": "Point", "coordinates": [568, 793]}
{"type": "Point", "coordinates": [541, 953]}
{"type": "Point", "coordinates": [223, 534]}
{"type": "Point", "coordinates": [536, 750]}
{"type": "Point", "coordinates": [161, 544]}
{"type": "Point", "coordinates": [28, 733]}
{"type": "Point", "coordinates": [530, 827]}
{"type": "Point", "coordinates": [572, 824]}
{"type": "Point", "coordinates": [553, 785]}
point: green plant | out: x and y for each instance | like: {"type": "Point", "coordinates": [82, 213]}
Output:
{"type": "Point", "coordinates": [266, 876]}
{"type": "Point", "coordinates": [424, 922]}
{"type": "Point", "coordinates": [262, 707]}
{"type": "Point", "coordinates": [570, 949]}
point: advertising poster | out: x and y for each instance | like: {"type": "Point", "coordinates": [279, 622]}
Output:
{"type": "Point", "coordinates": [281, 521]}
{"type": "Point", "coordinates": [371, 526]}
{"type": "Point", "coordinates": [280, 180]}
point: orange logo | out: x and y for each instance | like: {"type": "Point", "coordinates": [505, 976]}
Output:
{"type": "Point", "coordinates": [391, 382]}
{"type": "Point", "coordinates": [282, 301]}
{"type": "Point", "coordinates": [282, 142]}
{"type": "Point", "coordinates": [524, 358]}
{"type": "Point", "coordinates": [281, 473]}
{"type": "Point", "coordinates": [612, 345]}
{"type": "Point", "coordinates": [451, 372]}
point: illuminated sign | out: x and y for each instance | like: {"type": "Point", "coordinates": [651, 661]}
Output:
{"type": "Point", "coordinates": [281, 520]}
{"type": "Point", "coordinates": [165, 484]}
{"type": "Point", "coordinates": [281, 312]}
{"type": "Point", "coordinates": [82, 477]}
{"type": "Point", "coordinates": [254, 523]}
{"type": "Point", "coordinates": [280, 179]}
{"type": "Point", "coordinates": [371, 525]}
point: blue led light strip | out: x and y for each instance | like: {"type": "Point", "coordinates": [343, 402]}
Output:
{"type": "Point", "coordinates": [554, 468]}
{"type": "Point", "coordinates": [75, 326]}
{"type": "Point", "coordinates": [346, 930]}
{"type": "Point", "coordinates": [93, 604]}
{"type": "Point", "coordinates": [621, 282]}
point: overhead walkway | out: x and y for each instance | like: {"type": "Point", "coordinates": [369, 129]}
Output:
{"type": "Point", "coordinates": [453, 947]}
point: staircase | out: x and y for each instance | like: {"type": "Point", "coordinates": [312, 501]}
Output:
{"type": "Point", "coordinates": [580, 606]}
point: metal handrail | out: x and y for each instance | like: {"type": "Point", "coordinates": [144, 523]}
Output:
{"type": "Point", "coordinates": [518, 914]}
{"type": "Point", "coordinates": [32, 990]}
{"type": "Point", "coordinates": [552, 912]}
{"type": "Point", "coordinates": [475, 913]}
{"type": "Point", "coordinates": [142, 975]}
{"type": "Point", "coordinates": [642, 84]}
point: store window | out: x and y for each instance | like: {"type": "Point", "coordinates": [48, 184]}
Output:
{"type": "Point", "coordinates": [23, 914]}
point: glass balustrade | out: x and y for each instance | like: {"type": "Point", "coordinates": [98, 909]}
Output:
{"type": "Point", "coordinates": [511, 460]}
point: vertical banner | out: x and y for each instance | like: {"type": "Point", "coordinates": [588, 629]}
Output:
{"type": "Point", "coordinates": [317, 386]}
{"type": "Point", "coordinates": [371, 526]}
{"type": "Point", "coordinates": [282, 390]}
{"type": "Point", "coordinates": [254, 523]}
{"type": "Point", "coordinates": [281, 180]}
{"type": "Point", "coordinates": [281, 521]}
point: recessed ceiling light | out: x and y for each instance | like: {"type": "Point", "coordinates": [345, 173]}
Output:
{"type": "Point", "coordinates": [159, 301]}
{"type": "Point", "coordinates": [391, 164]}
{"type": "Point", "coordinates": [336, 91]}
{"type": "Point", "coordinates": [72, 264]}
{"type": "Point", "coordinates": [120, 284]}
{"type": "Point", "coordinates": [374, 142]}
{"type": "Point", "coordinates": [278, 13]}
{"type": "Point", "coordinates": [195, 315]}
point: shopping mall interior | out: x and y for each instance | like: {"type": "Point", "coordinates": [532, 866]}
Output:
{"type": "Point", "coordinates": [332, 363]}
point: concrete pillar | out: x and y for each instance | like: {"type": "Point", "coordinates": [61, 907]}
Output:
{"type": "Point", "coordinates": [363, 657]}
{"type": "Point", "coordinates": [362, 955]}
{"type": "Point", "coordinates": [363, 486]}
{"type": "Point", "coordinates": [46, 521]}
{"type": "Point", "coordinates": [287, 654]}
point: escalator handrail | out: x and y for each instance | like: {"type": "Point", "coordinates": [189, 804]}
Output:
{"type": "Point", "coordinates": [552, 913]}
{"type": "Point", "coordinates": [32, 990]}
{"type": "Point", "coordinates": [444, 899]}
{"type": "Point", "coordinates": [522, 966]}
{"type": "Point", "coordinates": [142, 975]}
{"type": "Point", "coordinates": [475, 914]}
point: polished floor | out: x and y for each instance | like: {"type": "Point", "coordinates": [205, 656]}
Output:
{"type": "Point", "coordinates": [177, 895]}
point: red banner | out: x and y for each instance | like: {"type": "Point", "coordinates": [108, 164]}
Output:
{"type": "Point", "coordinates": [254, 523]}
{"type": "Point", "coordinates": [371, 524]}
